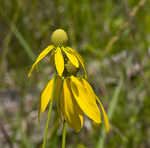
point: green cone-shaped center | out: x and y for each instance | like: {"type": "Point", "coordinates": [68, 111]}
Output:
{"type": "Point", "coordinates": [59, 37]}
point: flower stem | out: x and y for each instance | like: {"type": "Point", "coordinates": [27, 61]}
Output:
{"type": "Point", "coordinates": [49, 113]}
{"type": "Point", "coordinates": [64, 135]}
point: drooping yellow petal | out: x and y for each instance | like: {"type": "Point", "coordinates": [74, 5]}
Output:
{"type": "Point", "coordinates": [74, 52]}
{"type": "Point", "coordinates": [72, 112]}
{"type": "Point", "coordinates": [59, 61]}
{"type": "Point", "coordinates": [85, 99]}
{"type": "Point", "coordinates": [88, 87]}
{"type": "Point", "coordinates": [46, 95]}
{"type": "Point", "coordinates": [40, 57]}
{"type": "Point", "coordinates": [71, 57]}
{"type": "Point", "coordinates": [57, 96]}
{"type": "Point", "coordinates": [104, 114]}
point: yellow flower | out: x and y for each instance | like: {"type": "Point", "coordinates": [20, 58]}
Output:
{"type": "Point", "coordinates": [57, 52]}
{"type": "Point", "coordinates": [74, 97]}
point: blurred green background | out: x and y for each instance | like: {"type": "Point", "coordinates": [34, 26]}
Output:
{"type": "Point", "coordinates": [113, 37]}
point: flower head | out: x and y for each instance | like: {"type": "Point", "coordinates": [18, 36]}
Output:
{"type": "Point", "coordinates": [59, 52]}
{"type": "Point", "coordinates": [74, 97]}
{"type": "Point", "coordinates": [73, 94]}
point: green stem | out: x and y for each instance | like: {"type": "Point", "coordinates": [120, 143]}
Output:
{"type": "Point", "coordinates": [64, 135]}
{"type": "Point", "coordinates": [49, 113]}
{"type": "Point", "coordinates": [113, 105]}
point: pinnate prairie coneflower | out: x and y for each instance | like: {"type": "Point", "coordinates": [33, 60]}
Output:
{"type": "Point", "coordinates": [69, 88]}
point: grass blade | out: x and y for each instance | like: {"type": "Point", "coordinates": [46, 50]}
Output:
{"type": "Point", "coordinates": [111, 110]}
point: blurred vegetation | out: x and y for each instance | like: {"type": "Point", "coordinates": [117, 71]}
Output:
{"type": "Point", "coordinates": [114, 39]}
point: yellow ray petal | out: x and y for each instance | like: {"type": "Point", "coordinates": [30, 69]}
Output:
{"type": "Point", "coordinates": [71, 57]}
{"type": "Point", "coordinates": [59, 61]}
{"type": "Point", "coordinates": [58, 90]}
{"type": "Point", "coordinates": [85, 99]}
{"type": "Point", "coordinates": [104, 114]}
{"type": "Point", "coordinates": [46, 95]}
{"type": "Point", "coordinates": [74, 52]}
{"type": "Point", "coordinates": [40, 57]}
{"type": "Point", "coordinates": [88, 87]}
{"type": "Point", "coordinates": [72, 112]}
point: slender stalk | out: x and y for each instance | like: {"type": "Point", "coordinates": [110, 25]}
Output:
{"type": "Point", "coordinates": [64, 135]}
{"type": "Point", "coordinates": [49, 113]}
{"type": "Point", "coordinates": [111, 110]}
